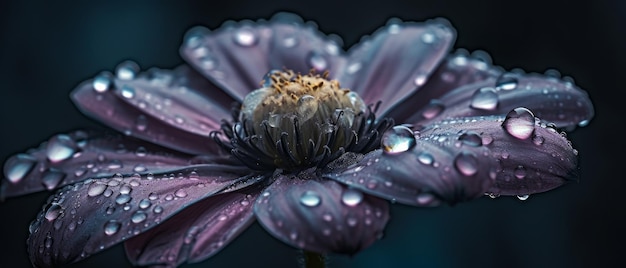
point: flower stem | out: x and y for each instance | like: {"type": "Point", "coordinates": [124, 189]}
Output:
{"type": "Point", "coordinates": [314, 259]}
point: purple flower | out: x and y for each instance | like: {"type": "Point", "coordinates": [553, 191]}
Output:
{"type": "Point", "coordinates": [317, 144]}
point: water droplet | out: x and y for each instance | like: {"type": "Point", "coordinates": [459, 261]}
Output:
{"type": "Point", "coordinates": [52, 178]}
{"type": "Point", "coordinates": [138, 217]}
{"type": "Point", "coordinates": [394, 28]}
{"type": "Point", "coordinates": [506, 81]}
{"type": "Point", "coordinates": [420, 79]}
{"type": "Point", "coordinates": [425, 198]}
{"type": "Point", "coordinates": [144, 203]}
{"type": "Point", "coordinates": [538, 140]}
{"type": "Point", "coordinates": [485, 98]}
{"type": "Point", "coordinates": [48, 241]}
{"type": "Point", "coordinates": [434, 108]}
{"type": "Point", "coordinates": [126, 70]}
{"type": "Point", "coordinates": [110, 210]}
{"type": "Point", "coordinates": [398, 139]}
{"type": "Point", "coordinates": [317, 61]}
{"type": "Point", "coordinates": [122, 199]}
{"type": "Point", "coordinates": [351, 197]}
{"type": "Point", "coordinates": [102, 82]}
{"type": "Point", "coordinates": [523, 197]}
{"type": "Point", "coordinates": [354, 67]}
{"type": "Point", "coordinates": [428, 38]}
{"type": "Point", "coordinates": [157, 209]}
{"type": "Point", "coordinates": [425, 158]}
{"type": "Point", "coordinates": [208, 62]}
{"type": "Point", "coordinates": [520, 123]}
{"type": "Point", "coordinates": [96, 189]}
{"type": "Point", "coordinates": [245, 37]}
{"type": "Point", "coordinates": [53, 212]}
{"type": "Point", "coordinates": [519, 172]}
{"type": "Point", "coordinates": [471, 139]}
{"type": "Point", "coordinates": [18, 166]}
{"type": "Point", "coordinates": [112, 227]}
{"type": "Point", "coordinates": [128, 92]}
{"type": "Point", "coordinates": [125, 189]}
{"type": "Point", "coordinates": [59, 148]}
{"type": "Point", "coordinates": [466, 163]}
{"type": "Point", "coordinates": [310, 199]}
{"type": "Point", "coordinates": [180, 193]}
{"type": "Point", "coordinates": [307, 107]}
{"type": "Point", "coordinates": [290, 41]}
{"type": "Point", "coordinates": [327, 217]}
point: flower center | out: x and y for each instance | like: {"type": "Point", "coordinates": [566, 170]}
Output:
{"type": "Point", "coordinates": [298, 121]}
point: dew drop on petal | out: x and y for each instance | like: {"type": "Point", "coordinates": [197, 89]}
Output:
{"type": "Point", "coordinates": [485, 98]}
{"type": "Point", "coordinates": [520, 172]}
{"type": "Point", "coordinates": [310, 199]}
{"type": "Point", "coordinates": [141, 123]}
{"type": "Point", "coordinates": [466, 163]}
{"type": "Point", "coordinates": [425, 158]}
{"type": "Point", "coordinates": [523, 197]}
{"type": "Point", "coordinates": [138, 217]}
{"type": "Point", "coordinates": [53, 212]}
{"type": "Point", "coordinates": [112, 227]}
{"type": "Point", "coordinates": [52, 178]}
{"type": "Point", "coordinates": [59, 148]}
{"type": "Point", "coordinates": [290, 41]}
{"type": "Point", "coordinates": [428, 38]}
{"type": "Point", "coordinates": [425, 198]}
{"type": "Point", "coordinates": [434, 108]}
{"type": "Point", "coordinates": [520, 123]}
{"type": "Point", "coordinates": [245, 37]}
{"type": "Point", "coordinates": [420, 79]}
{"type": "Point", "coordinates": [126, 70]}
{"type": "Point", "coordinates": [307, 107]}
{"type": "Point", "coordinates": [102, 82]}
{"type": "Point", "coordinates": [144, 203]}
{"type": "Point", "coordinates": [397, 140]}
{"type": "Point", "coordinates": [157, 209]}
{"type": "Point", "coordinates": [317, 61]}
{"type": "Point", "coordinates": [128, 92]}
{"type": "Point", "coordinates": [506, 82]}
{"type": "Point", "coordinates": [122, 199]}
{"type": "Point", "coordinates": [180, 193]}
{"type": "Point", "coordinates": [96, 189]}
{"type": "Point", "coordinates": [471, 139]}
{"type": "Point", "coordinates": [538, 140]}
{"type": "Point", "coordinates": [351, 197]}
{"type": "Point", "coordinates": [18, 166]}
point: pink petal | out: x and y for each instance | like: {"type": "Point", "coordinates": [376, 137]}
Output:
{"type": "Point", "coordinates": [551, 99]}
{"type": "Point", "coordinates": [239, 54]}
{"type": "Point", "coordinates": [97, 99]}
{"type": "Point", "coordinates": [395, 61]}
{"type": "Point", "coordinates": [424, 171]}
{"type": "Point", "coordinates": [73, 157]}
{"type": "Point", "coordinates": [90, 216]}
{"type": "Point", "coordinates": [320, 215]}
{"type": "Point", "coordinates": [196, 233]}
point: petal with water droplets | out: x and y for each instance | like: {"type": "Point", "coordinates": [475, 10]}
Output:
{"type": "Point", "coordinates": [93, 215]}
{"type": "Point", "coordinates": [196, 233]}
{"type": "Point", "coordinates": [80, 155]}
{"type": "Point", "coordinates": [395, 61]}
{"type": "Point", "coordinates": [321, 215]}
{"type": "Point", "coordinates": [239, 54]}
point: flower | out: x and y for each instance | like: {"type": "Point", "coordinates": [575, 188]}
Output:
{"type": "Point", "coordinates": [313, 155]}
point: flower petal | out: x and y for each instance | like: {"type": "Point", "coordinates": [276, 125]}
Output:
{"type": "Point", "coordinates": [551, 99]}
{"type": "Point", "coordinates": [92, 215]}
{"type": "Point", "coordinates": [428, 170]}
{"type": "Point", "coordinates": [321, 215]}
{"type": "Point", "coordinates": [73, 157]}
{"type": "Point", "coordinates": [239, 54]}
{"type": "Point", "coordinates": [533, 156]}
{"type": "Point", "coordinates": [96, 98]}
{"type": "Point", "coordinates": [396, 60]}
{"type": "Point", "coordinates": [457, 70]}
{"type": "Point", "coordinates": [195, 233]}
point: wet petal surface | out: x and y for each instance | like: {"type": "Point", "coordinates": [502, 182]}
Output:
{"type": "Point", "coordinates": [396, 60]}
{"type": "Point", "coordinates": [73, 157]}
{"type": "Point", "coordinates": [321, 215]}
{"type": "Point", "coordinates": [90, 216]}
{"type": "Point", "coordinates": [239, 54]}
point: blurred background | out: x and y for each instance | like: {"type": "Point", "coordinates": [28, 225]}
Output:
{"type": "Point", "coordinates": [48, 47]}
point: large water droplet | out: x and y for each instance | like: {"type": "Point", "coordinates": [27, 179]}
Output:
{"type": "Point", "coordinates": [122, 199]}
{"type": "Point", "coordinates": [310, 199]}
{"type": "Point", "coordinates": [53, 212]}
{"type": "Point", "coordinates": [523, 197]}
{"type": "Point", "coordinates": [307, 107]}
{"type": "Point", "coordinates": [102, 82]}
{"type": "Point", "coordinates": [506, 81]}
{"type": "Point", "coordinates": [398, 139]}
{"type": "Point", "coordinates": [127, 70]}
{"type": "Point", "coordinates": [128, 92]}
{"type": "Point", "coordinates": [351, 197]}
{"type": "Point", "coordinates": [245, 37]}
{"type": "Point", "coordinates": [471, 139]}
{"type": "Point", "coordinates": [52, 178]}
{"type": "Point", "coordinates": [96, 189]}
{"type": "Point", "coordinates": [485, 98]}
{"type": "Point", "coordinates": [466, 163]}
{"type": "Point", "coordinates": [18, 166]}
{"type": "Point", "coordinates": [434, 108]}
{"type": "Point", "coordinates": [180, 193]}
{"type": "Point", "coordinates": [425, 158]}
{"type": "Point", "coordinates": [59, 148]}
{"type": "Point", "coordinates": [520, 123]}
{"type": "Point", "coordinates": [138, 217]}
{"type": "Point", "coordinates": [317, 61]}
{"type": "Point", "coordinates": [144, 203]}
{"type": "Point", "coordinates": [112, 227]}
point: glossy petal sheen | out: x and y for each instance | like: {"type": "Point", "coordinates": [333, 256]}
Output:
{"type": "Point", "coordinates": [435, 169]}
{"type": "Point", "coordinates": [109, 106]}
{"type": "Point", "coordinates": [73, 157]}
{"type": "Point", "coordinates": [541, 162]}
{"type": "Point", "coordinates": [395, 61]}
{"type": "Point", "coordinates": [550, 99]}
{"type": "Point", "coordinates": [196, 233]}
{"type": "Point", "coordinates": [90, 216]}
{"type": "Point", "coordinates": [238, 55]}
{"type": "Point", "coordinates": [321, 215]}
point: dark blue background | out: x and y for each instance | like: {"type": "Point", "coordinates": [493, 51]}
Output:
{"type": "Point", "coordinates": [47, 48]}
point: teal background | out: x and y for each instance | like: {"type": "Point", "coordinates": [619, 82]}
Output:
{"type": "Point", "coordinates": [47, 48]}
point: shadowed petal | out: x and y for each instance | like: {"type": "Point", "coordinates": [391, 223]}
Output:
{"type": "Point", "coordinates": [321, 215]}
{"type": "Point", "coordinates": [196, 233]}
{"type": "Point", "coordinates": [99, 99]}
{"type": "Point", "coordinates": [533, 157]}
{"type": "Point", "coordinates": [551, 99]}
{"type": "Point", "coordinates": [396, 60]}
{"type": "Point", "coordinates": [457, 70]}
{"type": "Point", "coordinates": [93, 215]}
{"type": "Point", "coordinates": [68, 158]}
{"type": "Point", "coordinates": [239, 54]}
{"type": "Point", "coordinates": [449, 167]}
